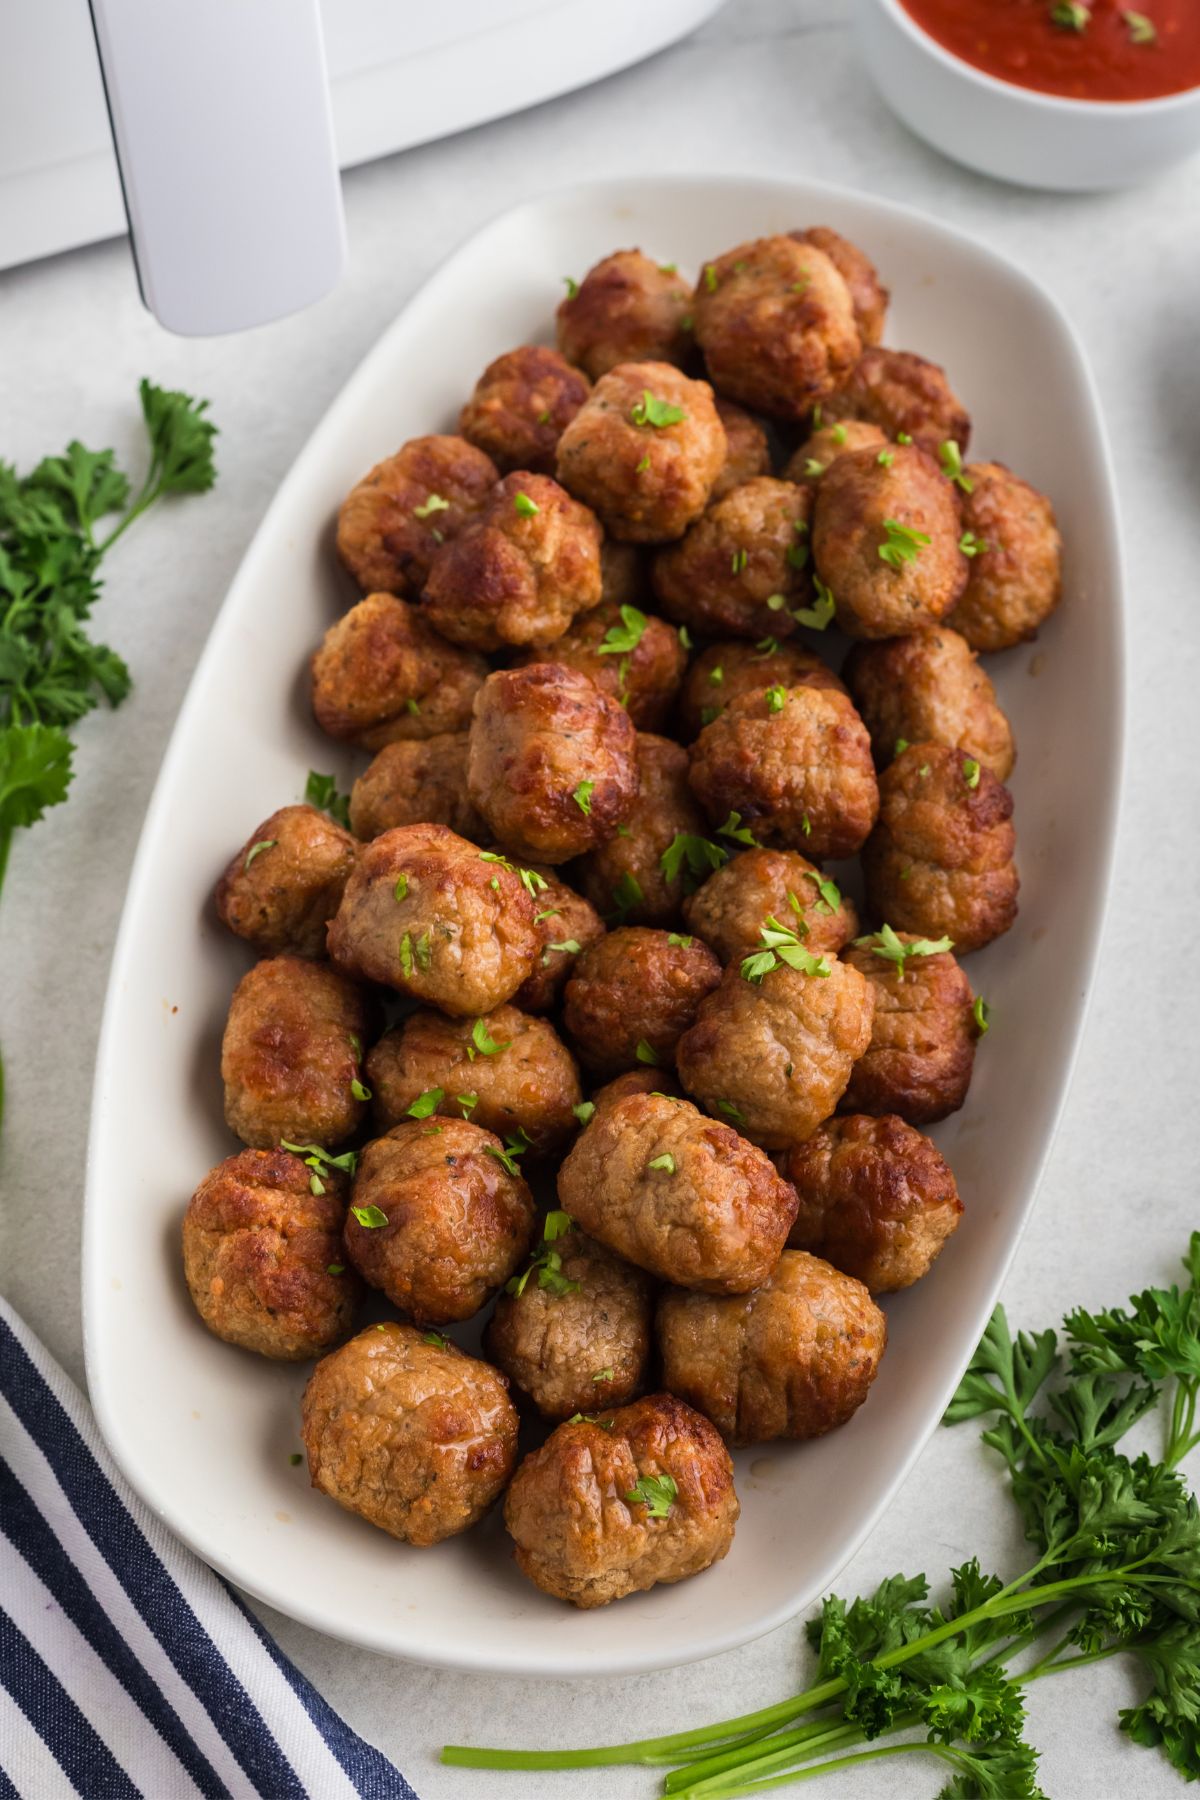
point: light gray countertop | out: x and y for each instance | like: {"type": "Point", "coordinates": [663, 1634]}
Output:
{"type": "Point", "coordinates": [769, 86]}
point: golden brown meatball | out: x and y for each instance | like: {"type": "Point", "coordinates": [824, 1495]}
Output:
{"type": "Point", "coordinates": [885, 542]}
{"type": "Point", "coordinates": [922, 1048]}
{"type": "Point", "coordinates": [416, 783]}
{"type": "Point", "coordinates": [429, 914]}
{"type": "Point", "coordinates": [637, 659]}
{"type": "Point", "coordinates": [439, 1218]}
{"type": "Point", "coordinates": [877, 1199]}
{"type": "Point", "coordinates": [637, 875]}
{"type": "Point", "coordinates": [520, 572]}
{"type": "Point", "coordinates": [678, 1194]}
{"type": "Point", "coordinates": [724, 670]}
{"type": "Point", "coordinates": [262, 1254]}
{"type": "Point", "coordinates": [928, 688]}
{"type": "Point", "coordinates": [775, 321]}
{"type": "Point", "coordinates": [730, 910]}
{"type": "Point", "coordinates": [748, 451]}
{"type": "Point", "coordinates": [382, 674]}
{"type": "Point", "coordinates": [823, 447]}
{"type": "Point", "coordinates": [286, 881]}
{"type": "Point", "coordinates": [648, 1079]}
{"type": "Point", "coordinates": [1016, 568]}
{"type": "Point", "coordinates": [742, 569]}
{"type": "Point", "coordinates": [521, 405]}
{"type": "Point", "coordinates": [399, 514]}
{"type": "Point", "coordinates": [795, 764]}
{"type": "Point", "coordinates": [906, 396]}
{"type": "Point", "coordinates": [565, 923]}
{"type": "Point", "coordinates": [614, 1505]}
{"type": "Point", "coordinates": [290, 1054]}
{"type": "Point", "coordinates": [774, 1054]}
{"type": "Point", "coordinates": [624, 573]}
{"type": "Point", "coordinates": [794, 1359]}
{"type": "Point", "coordinates": [552, 762]}
{"type": "Point", "coordinates": [633, 993]}
{"type": "Point", "coordinates": [940, 861]}
{"type": "Point", "coordinates": [626, 309]}
{"type": "Point", "coordinates": [644, 452]}
{"type": "Point", "coordinates": [867, 293]}
{"type": "Point", "coordinates": [405, 1430]}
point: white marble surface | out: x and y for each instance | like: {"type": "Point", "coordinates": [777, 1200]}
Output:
{"type": "Point", "coordinates": [768, 86]}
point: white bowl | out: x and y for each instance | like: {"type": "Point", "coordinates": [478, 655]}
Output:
{"type": "Point", "coordinates": [1019, 134]}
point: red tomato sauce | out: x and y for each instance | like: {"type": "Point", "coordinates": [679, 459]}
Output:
{"type": "Point", "coordinates": [1138, 51]}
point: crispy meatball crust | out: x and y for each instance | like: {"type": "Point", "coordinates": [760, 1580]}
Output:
{"type": "Point", "coordinates": [646, 481]}
{"type": "Point", "coordinates": [678, 1194]}
{"type": "Point", "coordinates": [635, 987]}
{"type": "Point", "coordinates": [928, 688]}
{"type": "Point", "coordinates": [393, 522]}
{"type": "Point", "coordinates": [868, 295]}
{"type": "Point", "coordinates": [723, 671]}
{"type": "Point", "coordinates": [290, 1053]}
{"type": "Point", "coordinates": [542, 736]}
{"type": "Point", "coordinates": [521, 406]}
{"type": "Point", "coordinates": [663, 810]}
{"type": "Point", "coordinates": [940, 861]}
{"type": "Point", "coordinates": [644, 680]}
{"type": "Point", "coordinates": [257, 1249]}
{"type": "Point", "coordinates": [743, 567]}
{"type": "Point", "coordinates": [794, 1359]}
{"type": "Point", "coordinates": [730, 909]}
{"type": "Point", "coordinates": [775, 1056]}
{"type": "Point", "coordinates": [796, 764]}
{"type": "Point", "coordinates": [905, 396]}
{"type": "Point", "coordinates": [877, 1199]}
{"type": "Point", "coordinates": [922, 1048]}
{"type": "Point", "coordinates": [414, 1436]}
{"type": "Point", "coordinates": [1016, 576]}
{"type": "Point", "coordinates": [416, 783]}
{"type": "Point", "coordinates": [823, 447]}
{"type": "Point", "coordinates": [286, 881]}
{"type": "Point", "coordinates": [382, 673]}
{"type": "Point", "coordinates": [626, 309]}
{"type": "Point", "coordinates": [456, 1223]}
{"type": "Point", "coordinates": [749, 450]}
{"type": "Point", "coordinates": [427, 913]}
{"type": "Point", "coordinates": [563, 919]}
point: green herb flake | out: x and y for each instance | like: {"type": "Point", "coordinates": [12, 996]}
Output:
{"type": "Point", "coordinates": [532, 882]}
{"type": "Point", "coordinates": [295, 1459]}
{"type": "Point", "coordinates": [902, 543]}
{"type": "Point", "coordinates": [970, 545]}
{"type": "Point", "coordinates": [691, 857]}
{"type": "Point", "coordinates": [584, 1111]}
{"type": "Point", "coordinates": [623, 639]}
{"type": "Point", "coordinates": [780, 944]}
{"type": "Point", "coordinates": [571, 285]}
{"type": "Point", "coordinates": [603, 1375]}
{"type": "Point", "coordinates": [1141, 29]}
{"type": "Point", "coordinates": [321, 791]}
{"type": "Point", "coordinates": [335, 1269]}
{"type": "Point", "coordinates": [641, 467]}
{"type": "Point", "coordinates": [710, 278]}
{"type": "Point", "coordinates": [650, 410]}
{"type": "Point", "coordinates": [950, 458]}
{"type": "Point", "coordinates": [685, 638]}
{"type": "Point", "coordinates": [901, 746]}
{"type": "Point", "coordinates": [657, 1493]}
{"type": "Point", "coordinates": [904, 437]}
{"type": "Point", "coordinates": [316, 1158]}
{"type": "Point", "coordinates": [886, 458]}
{"type": "Point", "coordinates": [468, 1103]}
{"type": "Point", "coordinates": [767, 646]}
{"type": "Point", "coordinates": [359, 1091]}
{"type": "Point", "coordinates": [257, 850]}
{"type": "Point", "coordinates": [829, 893]}
{"type": "Point", "coordinates": [814, 469]}
{"type": "Point", "coordinates": [568, 947]}
{"type": "Point", "coordinates": [434, 504]}
{"type": "Point", "coordinates": [886, 943]}
{"type": "Point", "coordinates": [369, 1217]}
{"type": "Point", "coordinates": [427, 1103]}
{"type": "Point", "coordinates": [716, 676]}
{"type": "Point", "coordinates": [971, 772]}
{"type": "Point", "coordinates": [680, 942]}
{"type": "Point", "coordinates": [1070, 15]}
{"type": "Point", "coordinates": [557, 1224]}
{"type": "Point", "coordinates": [626, 895]}
{"type": "Point", "coordinates": [981, 1012]}
{"type": "Point", "coordinates": [817, 617]}
{"type": "Point", "coordinates": [483, 1043]}
{"type": "Point", "coordinates": [407, 964]}
{"type": "Point", "coordinates": [437, 1339]}
{"type": "Point", "coordinates": [666, 1162]}
{"type": "Point", "coordinates": [646, 1053]}
{"type": "Point", "coordinates": [582, 796]}
{"type": "Point", "coordinates": [738, 561]}
{"type": "Point", "coordinates": [776, 698]}
{"type": "Point", "coordinates": [739, 833]}
{"type": "Point", "coordinates": [731, 1111]}
{"type": "Point", "coordinates": [524, 507]}
{"type": "Point", "coordinates": [315, 1184]}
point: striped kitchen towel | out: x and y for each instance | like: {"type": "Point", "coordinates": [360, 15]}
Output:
{"type": "Point", "coordinates": [127, 1668]}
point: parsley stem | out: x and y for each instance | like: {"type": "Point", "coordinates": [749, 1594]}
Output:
{"type": "Point", "coordinates": [855, 1760]}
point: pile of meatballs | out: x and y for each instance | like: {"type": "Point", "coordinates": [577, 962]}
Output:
{"type": "Point", "coordinates": [563, 1014]}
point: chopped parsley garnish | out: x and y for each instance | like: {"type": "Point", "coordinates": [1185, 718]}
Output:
{"type": "Point", "coordinates": [646, 1053]}
{"type": "Point", "coordinates": [623, 639]}
{"type": "Point", "coordinates": [359, 1091]}
{"type": "Point", "coordinates": [483, 1043]}
{"type": "Point", "coordinates": [591, 1419]}
{"type": "Point", "coordinates": [665, 1162]}
{"type": "Point", "coordinates": [547, 912]}
{"type": "Point", "coordinates": [315, 1184]}
{"type": "Point", "coordinates": [731, 1111]}
{"type": "Point", "coordinates": [902, 544]}
{"type": "Point", "coordinates": [901, 746]}
{"type": "Point", "coordinates": [524, 506]}
{"type": "Point", "coordinates": [295, 1458]}
{"type": "Point", "coordinates": [740, 834]}
{"type": "Point", "coordinates": [950, 457]}
{"type": "Point", "coordinates": [685, 638]}
{"type": "Point", "coordinates": [806, 825]}
{"type": "Point", "coordinates": [335, 1269]}
{"type": "Point", "coordinates": [904, 437]}
{"type": "Point", "coordinates": [316, 1158]}
{"type": "Point", "coordinates": [532, 882]}
{"type": "Point", "coordinates": [886, 944]}
{"type": "Point", "coordinates": [796, 556]}
{"type": "Point", "coordinates": [603, 1375]}
{"type": "Point", "coordinates": [412, 706]}
{"type": "Point", "coordinates": [650, 410]}
{"type": "Point", "coordinates": [679, 941]}
{"type": "Point", "coordinates": [981, 1012]}
{"type": "Point", "coordinates": [970, 545]}
{"type": "Point", "coordinates": [782, 945]}
{"type": "Point", "coordinates": [767, 646]}
{"type": "Point", "coordinates": [776, 698]}
{"type": "Point", "coordinates": [700, 855]}
{"type": "Point", "coordinates": [839, 434]}
{"type": "Point", "coordinates": [438, 1339]}
{"type": "Point", "coordinates": [817, 617]}
{"type": "Point", "coordinates": [572, 286]}
{"type": "Point", "coordinates": [886, 458]}
{"type": "Point", "coordinates": [657, 1493]}
{"type": "Point", "coordinates": [468, 1102]}
{"type": "Point", "coordinates": [427, 1103]}
{"type": "Point", "coordinates": [547, 1263]}
{"type": "Point", "coordinates": [582, 796]}
{"type": "Point", "coordinates": [641, 467]}
{"type": "Point", "coordinates": [1141, 29]}
{"type": "Point", "coordinates": [424, 951]}
{"type": "Point", "coordinates": [543, 417]}
{"type": "Point", "coordinates": [776, 602]}
{"type": "Point", "coordinates": [434, 504]}
{"type": "Point", "coordinates": [814, 469]}
{"type": "Point", "coordinates": [710, 278]}
{"type": "Point", "coordinates": [829, 891]}
{"type": "Point", "coordinates": [716, 676]}
{"type": "Point", "coordinates": [971, 772]}
{"type": "Point", "coordinates": [668, 268]}
{"type": "Point", "coordinates": [1070, 15]}
{"type": "Point", "coordinates": [708, 714]}
{"type": "Point", "coordinates": [400, 891]}
{"type": "Point", "coordinates": [321, 791]}
{"type": "Point", "coordinates": [738, 561]}
{"type": "Point", "coordinates": [369, 1217]}
{"type": "Point", "coordinates": [505, 1155]}
{"type": "Point", "coordinates": [406, 956]}
{"type": "Point", "coordinates": [583, 1110]}
{"type": "Point", "coordinates": [557, 1225]}
{"type": "Point", "coordinates": [626, 895]}
{"type": "Point", "coordinates": [257, 849]}
{"type": "Point", "coordinates": [567, 947]}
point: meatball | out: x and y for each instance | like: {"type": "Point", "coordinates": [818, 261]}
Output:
{"type": "Point", "coordinates": [437, 1220]}
{"type": "Point", "coordinates": [286, 882]}
{"type": "Point", "coordinates": [885, 542]}
{"type": "Point", "coordinates": [645, 1080]}
{"type": "Point", "coordinates": [393, 522]}
{"type": "Point", "coordinates": [775, 321]}
{"type": "Point", "coordinates": [565, 923]}
{"type": "Point", "coordinates": [623, 572]}
{"type": "Point", "coordinates": [382, 674]}
{"type": "Point", "coordinates": [408, 1432]}
{"type": "Point", "coordinates": [775, 1054]}
{"type": "Point", "coordinates": [907, 397]}
{"type": "Point", "coordinates": [868, 295]}
{"type": "Point", "coordinates": [795, 763]}
{"type": "Point", "coordinates": [922, 1048]}
{"type": "Point", "coordinates": [636, 659]}
{"type": "Point", "coordinates": [794, 1359]}
{"type": "Point", "coordinates": [633, 993]}
{"type": "Point", "coordinates": [678, 1194]}
{"type": "Point", "coordinates": [748, 450]}
{"type": "Point", "coordinates": [1015, 581]}
{"type": "Point", "coordinates": [731, 908]}
{"type": "Point", "coordinates": [727, 669]}
{"type": "Point", "coordinates": [638, 872]}
{"type": "Point", "coordinates": [552, 763]}
{"type": "Point", "coordinates": [262, 1255]}
{"type": "Point", "coordinates": [742, 569]}
{"type": "Point", "coordinates": [429, 914]}
{"type": "Point", "coordinates": [823, 447]}
{"type": "Point", "coordinates": [626, 309]}
{"type": "Point", "coordinates": [877, 1199]}
{"type": "Point", "coordinates": [940, 860]}
{"type": "Point", "coordinates": [521, 405]}
{"type": "Point", "coordinates": [928, 688]}
{"type": "Point", "coordinates": [416, 783]}
{"type": "Point", "coordinates": [520, 572]}
{"type": "Point", "coordinates": [290, 1054]}
{"type": "Point", "coordinates": [644, 452]}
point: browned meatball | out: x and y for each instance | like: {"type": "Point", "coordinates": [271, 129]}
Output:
{"type": "Point", "coordinates": [637, 659]}
{"type": "Point", "coordinates": [637, 875]}
{"type": "Point", "coordinates": [905, 396]}
{"type": "Point", "coordinates": [522, 403]}
{"type": "Point", "coordinates": [940, 860]}
{"type": "Point", "coordinates": [748, 451]}
{"type": "Point", "coordinates": [795, 763]}
{"type": "Point", "coordinates": [649, 1079]}
{"type": "Point", "coordinates": [565, 923]}
{"type": "Point", "coordinates": [922, 1048]}
{"type": "Point", "coordinates": [286, 881]}
{"type": "Point", "coordinates": [877, 1199]}
{"type": "Point", "coordinates": [614, 1505]}
{"type": "Point", "coordinates": [928, 688]}
{"type": "Point", "coordinates": [552, 763]}
{"type": "Point", "coordinates": [416, 783]}
{"type": "Point", "coordinates": [400, 513]}
{"type": "Point", "coordinates": [774, 1055]}
{"type": "Point", "coordinates": [436, 1219]}
{"type": "Point", "coordinates": [262, 1247]}
{"type": "Point", "coordinates": [520, 572]}
{"type": "Point", "coordinates": [405, 1430]}
{"type": "Point", "coordinates": [775, 321]}
{"type": "Point", "coordinates": [626, 309]}
{"type": "Point", "coordinates": [730, 910]}
{"type": "Point", "coordinates": [290, 1054]}
{"type": "Point", "coordinates": [742, 569]}
{"type": "Point", "coordinates": [823, 447]}
{"type": "Point", "coordinates": [867, 292]}
{"type": "Point", "coordinates": [633, 993]}
{"type": "Point", "coordinates": [644, 452]}
{"type": "Point", "coordinates": [885, 542]}
{"type": "Point", "coordinates": [794, 1359]}
{"type": "Point", "coordinates": [382, 674]}
{"type": "Point", "coordinates": [1016, 569]}
{"type": "Point", "coordinates": [624, 573]}
{"type": "Point", "coordinates": [428, 913]}
{"type": "Point", "coordinates": [724, 670]}
{"type": "Point", "coordinates": [678, 1194]}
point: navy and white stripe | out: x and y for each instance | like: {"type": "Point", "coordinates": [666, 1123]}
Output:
{"type": "Point", "coordinates": [128, 1670]}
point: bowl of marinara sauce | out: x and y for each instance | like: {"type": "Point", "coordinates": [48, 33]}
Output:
{"type": "Point", "coordinates": [1066, 94]}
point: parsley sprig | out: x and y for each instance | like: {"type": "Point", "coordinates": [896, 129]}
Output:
{"type": "Point", "coordinates": [781, 944]}
{"type": "Point", "coordinates": [888, 945]}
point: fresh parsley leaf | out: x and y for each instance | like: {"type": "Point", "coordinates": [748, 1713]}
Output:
{"type": "Point", "coordinates": [657, 1493]}
{"type": "Point", "coordinates": [971, 772]}
{"type": "Point", "coordinates": [950, 458]}
{"type": "Point", "coordinates": [524, 506]}
{"type": "Point", "coordinates": [888, 945]}
{"type": "Point", "coordinates": [1141, 29]}
{"type": "Point", "coordinates": [584, 1110]}
{"type": "Point", "coordinates": [434, 504]}
{"type": "Point", "coordinates": [735, 830]}
{"type": "Point", "coordinates": [692, 857]}
{"type": "Point", "coordinates": [646, 1053]}
{"type": "Point", "coordinates": [321, 791]}
{"type": "Point", "coordinates": [603, 1375]}
{"type": "Point", "coordinates": [483, 1043]}
{"type": "Point", "coordinates": [626, 895]}
{"type": "Point", "coordinates": [257, 850]}
{"type": "Point", "coordinates": [369, 1217]}
{"type": "Point", "coordinates": [438, 1339]}
{"type": "Point", "coordinates": [623, 639]}
{"type": "Point", "coordinates": [557, 1224]}
{"type": "Point", "coordinates": [970, 545]}
{"type": "Point", "coordinates": [650, 410]}
{"type": "Point", "coordinates": [1070, 15]}
{"type": "Point", "coordinates": [572, 286]}
{"type": "Point", "coordinates": [679, 941]}
{"type": "Point", "coordinates": [666, 1162]}
{"type": "Point", "coordinates": [358, 1090]}
{"type": "Point", "coordinates": [981, 1012]}
{"type": "Point", "coordinates": [427, 1103]}
{"type": "Point", "coordinates": [776, 698]}
{"type": "Point", "coordinates": [582, 796]}
{"type": "Point", "coordinates": [731, 1111]}
{"type": "Point", "coordinates": [780, 944]}
{"type": "Point", "coordinates": [902, 543]}
{"type": "Point", "coordinates": [400, 891]}
{"type": "Point", "coordinates": [817, 617]}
